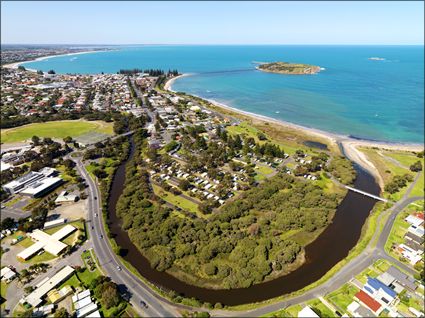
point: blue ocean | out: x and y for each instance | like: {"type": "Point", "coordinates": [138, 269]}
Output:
{"type": "Point", "coordinates": [371, 99]}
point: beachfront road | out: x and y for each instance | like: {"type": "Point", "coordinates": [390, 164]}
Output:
{"type": "Point", "coordinates": [109, 262]}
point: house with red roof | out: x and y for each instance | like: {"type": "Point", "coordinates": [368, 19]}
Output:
{"type": "Point", "coordinates": [369, 302]}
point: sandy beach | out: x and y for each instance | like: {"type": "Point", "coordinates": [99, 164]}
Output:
{"type": "Point", "coordinates": [350, 145]}
{"type": "Point", "coordinates": [169, 83]}
{"type": "Point", "coordinates": [17, 64]}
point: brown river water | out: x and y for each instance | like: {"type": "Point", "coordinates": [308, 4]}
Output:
{"type": "Point", "coordinates": [328, 249]}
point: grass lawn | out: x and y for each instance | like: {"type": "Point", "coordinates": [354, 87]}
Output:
{"type": "Point", "coordinates": [362, 277]}
{"type": "Point", "coordinates": [3, 290]}
{"type": "Point", "coordinates": [87, 277]}
{"type": "Point", "coordinates": [418, 189]}
{"type": "Point", "coordinates": [342, 297]}
{"type": "Point", "coordinates": [73, 237]}
{"type": "Point", "coordinates": [42, 258]}
{"type": "Point", "coordinates": [404, 157]}
{"type": "Point", "coordinates": [244, 129]}
{"type": "Point", "coordinates": [55, 129]}
{"type": "Point", "coordinates": [90, 168]}
{"type": "Point", "coordinates": [328, 185]}
{"type": "Point", "coordinates": [262, 172]}
{"type": "Point", "coordinates": [265, 170]}
{"type": "Point", "coordinates": [383, 164]}
{"type": "Point", "coordinates": [73, 281]}
{"type": "Point", "coordinates": [177, 200]}
{"type": "Point", "coordinates": [413, 302]}
{"type": "Point", "coordinates": [278, 313]}
{"type": "Point", "coordinates": [398, 231]}
{"type": "Point", "coordinates": [382, 265]}
{"type": "Point", "coordinates": [274, 135]}
{"type": "Point", "coordinates": [293, 310]}
{"type": "Point", "coordinates": [26, 242]}
{"type": "Point", "coordinates": [320, 308]}
{"type": "Point", "coordinates": [64, 174]}
{"type": "Point", "coordinates": [387, 169]}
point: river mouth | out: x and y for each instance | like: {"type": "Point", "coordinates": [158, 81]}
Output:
{"type": "Point", "coordinates": [332, 245]}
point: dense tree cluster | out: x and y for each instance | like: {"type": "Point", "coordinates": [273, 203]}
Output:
{"type": "Point", "coordinates": [342, 169]}
{"type": "Point", "coordinates": [240, 244]}
{"type": "Point", "coordinates": [416, 167]}
{"type": "Point", "coordinates": [116, 148]}
{"type": "Point", "coordinates": [398, 182]}
{"type": "Point", "coordinates": [151, 72]}
{"type": "Point", "coordinates": [106, 291]}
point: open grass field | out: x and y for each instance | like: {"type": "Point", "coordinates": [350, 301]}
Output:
{"type": "Point", "coordinates": [390, 164]}
{"type": "Point", "coordinates": [288, 144]}
{"type": "Point", "coordinates": [405, 158]}
{"type": "Point", "coordinates": [177, 200]}
{"type": "Point", "coordinates": [418, 189]}
{"type": "Point", "coordinates": [55, 129]}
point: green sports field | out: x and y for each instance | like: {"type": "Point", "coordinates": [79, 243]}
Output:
{"type": "Point", "coordinates": [55, 129]}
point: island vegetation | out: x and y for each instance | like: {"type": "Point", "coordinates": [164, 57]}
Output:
{"type": "Point", "coordinates": [289, 68]}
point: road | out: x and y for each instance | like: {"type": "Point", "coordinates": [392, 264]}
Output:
{"type": "Point", "coordinates": [161, 307]}
{"type": "Point", "coordinates": [157, 306]}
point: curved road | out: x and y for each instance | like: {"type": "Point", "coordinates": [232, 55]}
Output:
{"type": "Point", "coordinates": [109, 262]}
{"type": "Point", "coordinates": [159, 306]}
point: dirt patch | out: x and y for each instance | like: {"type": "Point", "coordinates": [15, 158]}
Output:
{"type": "Point", "coordinates": [71, 211]}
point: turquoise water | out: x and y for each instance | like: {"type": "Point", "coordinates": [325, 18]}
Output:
{"type": "Point", "coordinates": [379, 100]}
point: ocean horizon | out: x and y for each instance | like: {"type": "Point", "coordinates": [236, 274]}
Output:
{"type": "Point", "coordinates": [379, 100]}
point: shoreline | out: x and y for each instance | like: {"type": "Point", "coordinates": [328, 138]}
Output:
{"type": "Point", "coordinates": [349, 144]}
{"type": "Point", "coordinates": [169, 83]}
{"type": "Point", "coordinates": [15, 65]}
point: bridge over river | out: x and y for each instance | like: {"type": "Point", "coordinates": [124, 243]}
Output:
{"type": "Point", "coordinates": [366, 194]}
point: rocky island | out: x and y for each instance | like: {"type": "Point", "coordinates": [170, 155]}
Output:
{"type": "Point", "coordinates": [289, 68]}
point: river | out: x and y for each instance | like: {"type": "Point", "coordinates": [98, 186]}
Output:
{"type": "Point", "coordinates": [322, 254]}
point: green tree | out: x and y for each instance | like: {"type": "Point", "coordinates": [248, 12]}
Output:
{"type": "Point", "coordinates": [184, 184]}
{"type": "Point", "coordinates": [417, 166]}
{"type": "Point", "coordinates": [35, 140]}
{"type": "Point", "coordinates": [62, 313]}
{"type": "Point", "coordinates": [67, 139]}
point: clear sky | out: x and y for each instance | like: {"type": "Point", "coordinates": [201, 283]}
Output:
{"type": "Point", "coordinates": [212, 22]}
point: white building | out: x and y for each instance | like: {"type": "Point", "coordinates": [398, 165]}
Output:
{"type": "Point", "coordinates": [35, 298]}
{"type": "Point", "coordinates": [50, 243]}
{"type": "Point", "coordinates": [307, 312]}
{"type": "Point", "coordinates": [34, 183]}
{"type": "Point", "coordinates": [53, 223]}
{"type": "Point", "coordinates": [7, 274]}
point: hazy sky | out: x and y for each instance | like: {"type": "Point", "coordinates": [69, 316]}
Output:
{"type": "Point", "coordinates": [212, 22]}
